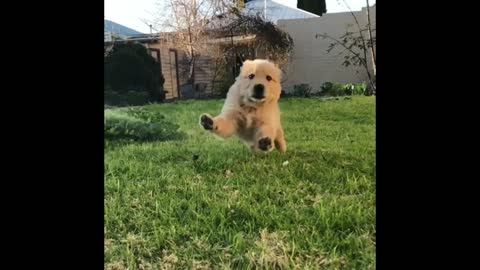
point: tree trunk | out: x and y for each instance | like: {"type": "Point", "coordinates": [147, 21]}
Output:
{"type": "Point", "coordinates": [191, 71]}
{"type": "Point", "coordinates": [372, 50]}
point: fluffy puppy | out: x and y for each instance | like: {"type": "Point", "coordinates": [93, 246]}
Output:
{"type": "Point", "coordinates": [251, 110]}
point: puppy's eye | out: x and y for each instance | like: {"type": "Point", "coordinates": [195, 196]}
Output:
{"type": "Point", "coordinates": [251, 76]}
{"type": "Point", "coordinates": [269, 78]}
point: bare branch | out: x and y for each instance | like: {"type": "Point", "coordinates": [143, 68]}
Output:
{"type": "Point", "coordinates": [358, 59]}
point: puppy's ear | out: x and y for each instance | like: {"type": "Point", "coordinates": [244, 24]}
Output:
{"type": "Point", "coordinates": [248, 61]}
{"type": "Point", "coordinates": [278, 73]}
{"type": "Point", "coordinates": [247, 68]}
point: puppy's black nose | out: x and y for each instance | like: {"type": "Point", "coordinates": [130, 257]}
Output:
{"type": "Point", "coordinates": [259, 91]}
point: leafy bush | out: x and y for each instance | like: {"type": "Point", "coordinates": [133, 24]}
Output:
{"type": "Point", "coordinates": [349, 89]}
{"type": "Point", "coordinates": [129, 99]}
{"type": "Point", "coordinates": [355, 89]}
{"type": "Point", "coordinates": [137, 124]}
{"type": "Point", "coordinates": [114, 98]}
{"type": "Point", "coordinates": [302, 90]}
{"type": "Point", "coordinates": [137, 98]}
{"type": "Point", "coordinates": [332, 89]}
{"type": "Point", "coordinates": [326, 88]}
{"type": "Point", "coordinates": [360, 89]}
{"type": "Point", "coordinates": [145, 115]}
{"type": "Point", "coordinates": [129, 67]}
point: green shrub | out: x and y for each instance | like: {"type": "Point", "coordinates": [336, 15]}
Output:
{"type": "Point", "coordinates": [326, 88]}
{"type": "Point", "coordinates": [129, 67]}
{"type": "Point", "coordinates": [302, 90]}
{"type": "Point", "coordinates": [131, 98]}
{"type": "Point", "coordinates": [360, 89]}
{"type": "Point", "coordinates": [332, 89]}
{"type": "Point", "coordinates": [145, 115]}
{"type": "Point", "coordinates": [349, 89]}
{"type": "Point", "coordinates": [114, 99]}
{"type": "Point", "coordinates": [137, 98]}
{"type": "Point", "coordinates": [137, 125]}
{"type": "Point", "coordinates": [355, 89]}
{"type": "Point", "coordinates": [337, 90]}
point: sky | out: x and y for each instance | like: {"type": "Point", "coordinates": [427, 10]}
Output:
{"type": "Point", "coordinates": [131, 12]}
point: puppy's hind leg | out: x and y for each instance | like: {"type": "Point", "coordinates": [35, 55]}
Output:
{"type": "Point", "coordinates": [264, 138]}
{"type": "Point", "coordinates": [280, 142]}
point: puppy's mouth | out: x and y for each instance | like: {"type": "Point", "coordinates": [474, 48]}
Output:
{"type": "Point", "coordinates": [257, 99]}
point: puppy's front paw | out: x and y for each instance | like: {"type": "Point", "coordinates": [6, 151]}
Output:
{"type": "Point", "coordinates": [206, 122]}
{"type": "Point", "coordinates": [265, 144]}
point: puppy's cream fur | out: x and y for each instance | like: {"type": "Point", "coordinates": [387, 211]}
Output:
{"type": "Point", "coordinates": [256, 121]}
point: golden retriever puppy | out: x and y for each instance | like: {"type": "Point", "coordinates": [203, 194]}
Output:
{"type": "Point", "coordinates": [251, 110]}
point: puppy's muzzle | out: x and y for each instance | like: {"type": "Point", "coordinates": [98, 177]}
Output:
{"type": "Point", "coordinates": [258, 93]}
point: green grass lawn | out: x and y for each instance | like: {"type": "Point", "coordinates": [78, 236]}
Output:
{"type": "Point", "coordinates": [231, 209]}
